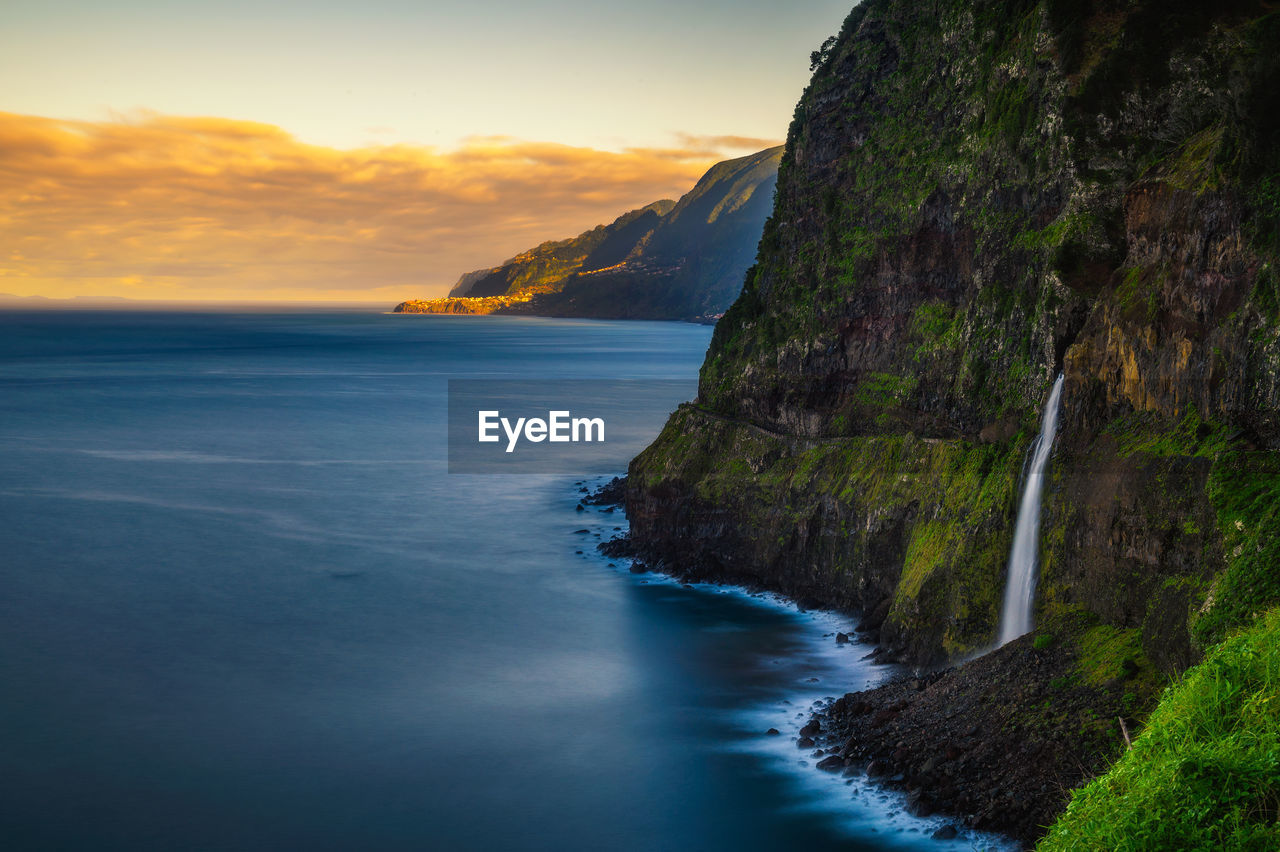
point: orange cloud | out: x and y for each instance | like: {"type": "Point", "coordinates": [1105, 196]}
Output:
{"type": "Point", "coordinates": [739, 144]}
{"type": "Point", "coordinates": [176, 207]}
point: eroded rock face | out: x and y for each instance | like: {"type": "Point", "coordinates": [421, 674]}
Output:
{"type": "Point", "coordinates": [975, 197]}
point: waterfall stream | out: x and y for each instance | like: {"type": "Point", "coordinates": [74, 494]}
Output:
{"type": "Point", "coordinates": [1020, 591]}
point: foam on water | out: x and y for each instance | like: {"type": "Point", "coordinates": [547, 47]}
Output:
{"type": "Point", "coordinates": [805, 679]}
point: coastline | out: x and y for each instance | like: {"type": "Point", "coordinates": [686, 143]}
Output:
{"type": "Point", "coordinates": [943, 737]}
{"type": "Point", "coordinates": [978, 741]}
{"type": "Point", "coordinates": [708, 320]}
{"type": "Point", "coordinates": [788, 730]}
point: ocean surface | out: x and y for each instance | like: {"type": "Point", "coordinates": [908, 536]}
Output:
{"type": "Point", "coordinates": [243, 605]}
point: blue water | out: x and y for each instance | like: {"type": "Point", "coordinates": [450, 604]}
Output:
{"type": "Point", "coordinates": [245, 607]}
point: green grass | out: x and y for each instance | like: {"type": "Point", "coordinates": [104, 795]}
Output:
{"type": "Point", "coordinates": [882, 390]}
{"type": "Point", "coordinates": [1205, 773]}
{"type": "Point", "coordinates": [1142, 432]}
{"type": "Point", "coordinates": [1244, 488]}
{"type": "Point", "coordinates": [1194, 167]}
{"type": "Point", "coordinates": [1108, 653]}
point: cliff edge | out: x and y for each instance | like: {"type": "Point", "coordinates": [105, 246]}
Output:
{"type": "Point", "coordinates": [975, 197]}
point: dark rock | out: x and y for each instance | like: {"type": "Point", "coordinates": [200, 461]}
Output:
{"type": "Point", "coordinates": [619, 547]}
{"type": "Point", "coordinates": [947, 832]}
{"type": "Point", "coordinates": [925, 740]}
{"type": "Point", "coordinates": [918, 805]}
{"type": "Point", "coordinates": [812, 729]}
{"type": "Point", "coordinates": [834, 763]}
{"type": "Point", "coordinates": [773, 732]}
{"type": "Point", "coordinates": [842, 639]}
{"type": "Point", "coordinates": [612, 493]}
{"type": "Point", "coordinates": [805, 742]}
{"type": "Point", "coordinates": [884, 716]}
{"type": "Point", "coordinates": [874, 620]}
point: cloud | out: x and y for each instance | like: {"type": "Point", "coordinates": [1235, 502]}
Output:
{"type": "Point", "coordinates": [159, 206]}
{"type": "Point", "coordinates": [748, 144]}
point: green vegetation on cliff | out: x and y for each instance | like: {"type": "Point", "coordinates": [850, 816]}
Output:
{"type": "Point", "coordinates": [1244, 487]}
{"type": "Point", "coordinates": [1205, 773]}
{"type": "Point", "coordinates": [834, 519]}
{"type": "Point", "coordinates": [545, 267]}
{"type": "Point", "coordinates": [973, 197]}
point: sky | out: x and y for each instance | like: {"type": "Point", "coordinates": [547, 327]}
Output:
{"type": "Point", "coordinates": [363, 151]}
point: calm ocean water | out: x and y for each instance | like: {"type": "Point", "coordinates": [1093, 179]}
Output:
{"type": "Point", "coordinates": [244, 606]}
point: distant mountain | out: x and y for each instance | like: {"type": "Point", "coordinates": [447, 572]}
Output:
{"type": "Point", "coordinates": [541, 269]}
{"type": "Point", "coordinates": [10, 300]}
{"type": "Point", "coordinates": [669, 260]}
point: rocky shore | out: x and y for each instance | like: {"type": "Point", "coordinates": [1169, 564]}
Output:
{"type": "Point", "coordinates": [997, 742]}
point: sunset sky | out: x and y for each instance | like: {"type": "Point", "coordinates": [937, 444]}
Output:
{"type": "Point", "coordinates": [279, 151]}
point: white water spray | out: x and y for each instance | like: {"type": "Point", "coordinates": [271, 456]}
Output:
{"type": "Point", "coordinates": [1020, 591]}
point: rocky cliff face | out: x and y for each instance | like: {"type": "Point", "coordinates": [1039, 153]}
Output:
{"type": "Point", "coordinates": [546, 266]}
{"type": "Point", "coordinates": [692, 263]}
{"type": "Point", "coordinates": [973, 198]}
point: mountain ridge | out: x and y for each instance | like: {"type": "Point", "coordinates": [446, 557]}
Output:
{"type": "Point", "coordinates": [680, 259]}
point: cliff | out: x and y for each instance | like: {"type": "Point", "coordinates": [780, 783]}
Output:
{"type": "Point", "coordinates": [975, 197]}
{"type": "Point", "coordinates": [693, 262]}
{"type": "Point", "coordinates": [546, 266]}
{"type": "Point", "coordinates": [669, 260]}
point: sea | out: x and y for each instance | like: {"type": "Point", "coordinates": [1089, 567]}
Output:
{"type": "Point", "coordinates": [244, 605]}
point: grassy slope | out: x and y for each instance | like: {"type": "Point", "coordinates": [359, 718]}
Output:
{"type": "Point", "coordinates": [1205, 773]}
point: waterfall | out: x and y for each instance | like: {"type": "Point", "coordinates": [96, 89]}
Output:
{"type": "Point", "coordinates": [1020, 591]}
